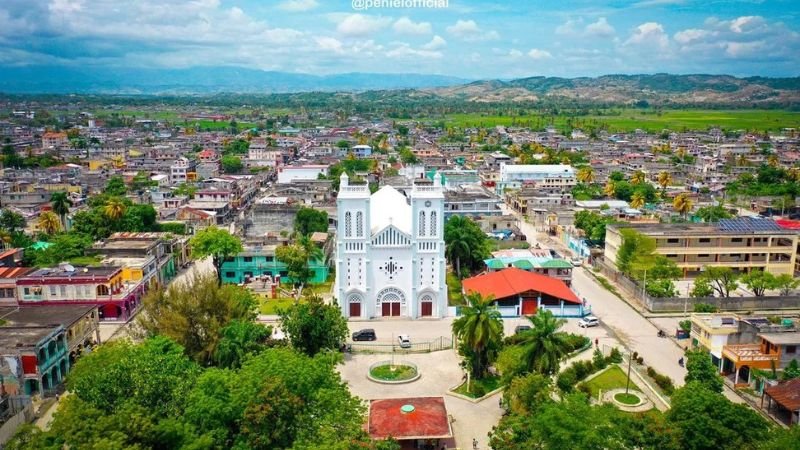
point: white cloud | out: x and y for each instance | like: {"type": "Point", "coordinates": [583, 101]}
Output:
{"type": "Point", "coordinates": [538, 54]}
{"type": "Point", "coordinates": [405, 51]}
{"type": "Point", "coordinates": [65, 6]}
{"type": "Point", "coordinates": [691, 35]}
{"type": "Point", "coordinates": [436, 43]}
{"type": "Point", "coordinates": [468, 30]}
{"type": "Point", "coordinates": [744, 49]}
{"type": "Point", "coordinates": [330, 44]}
{"type": "Point", "coordinates": [650, 34]}
{"type": "Point", "coordinates": [361, 25]}
{"type": "Point", "coordinates": [298, 5]}
{"type": "Point", "coordinates": [404, 25]}
{"type": "Point", "coordinates": [601, 28]}
{"type": "Point", "coordinates": [649, 3]}
{"type": "Point", "coordinates": [570, 27]}
{"type": "Point", "coordinates": [747, 24]}
{"type": "Point", "coordinates": [514, 53]}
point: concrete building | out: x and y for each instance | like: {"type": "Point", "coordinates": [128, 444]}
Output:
{"type": "Point", "coordinates": [540, 176]}
{"type": "Point", "coordinates": [291, 174]}
{"type": "Point", "coordinates": [743, 244]}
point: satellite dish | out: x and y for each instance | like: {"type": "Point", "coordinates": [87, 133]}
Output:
{"type": "Point", "coordinates": [69, 268]}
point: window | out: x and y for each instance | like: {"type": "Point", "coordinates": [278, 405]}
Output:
{"type": "Point", "coordinates": [422, 223]}
{"type": "Point", "coordinates": [360, 224]}
{"type": "Point", "coordinates": [791, 349]}
{"type": "Point", "coordinates": [672, 241]}
{"type": "Point", "coordinates": [736, 239]}
{"type": "Point", "coordinates": [248, 259]}
{"type": "Point", "coordinates": [269, 258]}
{"type": "Point", "coordinates": [434, 224]}
{"type": "Point", "coordinates": [348, 225]}
{"type": "Point", "coordinates": [52, 291]}
{"type": "Point", "coordinates": [230, 274]}
{"type": "Point", "coordinates": [704, 240]}
{"type": "Point", "coordinates": [702, 256]}
{"type": "Point", "coordinates": [63, 291]}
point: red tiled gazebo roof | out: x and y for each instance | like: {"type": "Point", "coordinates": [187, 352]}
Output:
{"type": "Point", "coordinates": [786, 394]}
{"type": "Point", "coordinates": [512, 281]}
{"type": "Point", "coordinates": [428, 420]}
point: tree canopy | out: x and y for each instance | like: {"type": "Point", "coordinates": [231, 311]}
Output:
{"type": "Point", "coordinates": [466, 245]}
{"type": "Point", "coordinates": [313, 326]}
{"type": "Point", "coordinates": [310, 220]}
{"type": "Point", "coordinates": [217, 243]}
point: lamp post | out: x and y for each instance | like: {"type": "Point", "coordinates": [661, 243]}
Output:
{"type": "Point", "coordinates": [628, 382]}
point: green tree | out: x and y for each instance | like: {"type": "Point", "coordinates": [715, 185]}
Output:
{"type": "Point", "coordinates": [310, 220]}
{"type": "Point", "coordinates": [528, 393]}
{"type": "Point", "coordinates": [706, 420]}
{"type": "Point", "coordinates": [759, 282]}
{"type": "Point", "coordinates": [701, 288]}
{"type": "Point", "coordinates": [466, 245]}
{"type": "Point", "coordinates": [216, 243]}
{"type": "Point", "coordinates": [49, 222]}
{"type": "Point", "coordinates": [115, 208]}
{"type": "Point", "coordinates": [722, 279]}
{"type": "Point", "coordinates": [238, 340]}
{"type": "Point", "coordinates": [544, 344]}
{"type": "Point", "coordinates": [194, 313]}
{"type": "Point", "coordinates": [11, 221]}
{"type": "Point", "coordinates": [480, 329]}
{"type": "Point", "coordinates": [271, 419]}
{"type": "Point", "coordinates": [232, 164]}
{"type": "Point", "coordinates": [115, 187]}
{"type": "Point", "coordinates": [636, 253]}
{"type": "Point", "coordinates": [60, 204]}
{"type": "Point", "coordinates": [593, 224]}
{"type": "Point", "coordinates": [313, 326]}
{"type": "Point", "coordinates": [296, 258]}
{"type": "Point", "coordinates": [785, 283]}
{"type": "Point", "coordinates": [713, 213]}
{"type": "Point", "coordinates": [699, 368]}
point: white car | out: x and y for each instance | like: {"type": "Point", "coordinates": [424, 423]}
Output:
{"type": "Point", "coordinates": [589, 321]}
{"type": "Point", "coordinates": [404, 340]}
{"type": "Point", "coordinates": [576, 261]}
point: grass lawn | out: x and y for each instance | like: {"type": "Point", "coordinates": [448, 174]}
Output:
{"type": "Point", "coordinates": [611, 378]}
{"type": "Point", "coordinates": [479, 387]}
{"type": "Point", "coordinates": [503, 245]}
{"type": "Point", "coordinates": [454, 296]}
{"type": "Point", "coordinates": [271, 305]}
{"type": "Point", "coordinates": [393, 373]}
{"type": "Point", "coordinates": [627, 399]}
{"type": "Point", "coordinates": [319, 289]}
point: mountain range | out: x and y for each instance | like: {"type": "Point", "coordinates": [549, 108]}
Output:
{"type": "Point", "coordinates": [656, 89]}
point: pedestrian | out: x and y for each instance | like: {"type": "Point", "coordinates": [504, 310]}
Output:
{"type": "Point", "coordinates": [474, 444]}
{"type": "Point", "coordinates": [596, 342]}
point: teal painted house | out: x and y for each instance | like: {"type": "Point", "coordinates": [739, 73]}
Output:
{"type": "Point", "coordinates": [257, 261]}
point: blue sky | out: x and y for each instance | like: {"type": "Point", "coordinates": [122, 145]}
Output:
{"type": "Point", "coordinates": [468, 38]}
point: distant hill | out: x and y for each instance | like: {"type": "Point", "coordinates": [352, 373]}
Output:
{"type": "Point", "coordinates": [656, 89]}
{"type": "Point", "coordinates": [660, 89]}
{"type": "Point", "coordinates": [200, 80]}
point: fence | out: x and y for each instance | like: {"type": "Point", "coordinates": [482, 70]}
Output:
{"type": "Point", "coordinates": [435, 345]}
{"type": "Point", "coordinates": [680, 304]}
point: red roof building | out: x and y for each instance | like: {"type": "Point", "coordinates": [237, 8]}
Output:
{"type": "Point", "coordinates": [519, 292]}
{"type": "Point", "coordinates": [411, 421]}
{"type": "Point", "coordinates": [784, 401]}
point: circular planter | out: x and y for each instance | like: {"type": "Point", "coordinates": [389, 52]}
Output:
{"type": "Point", "coordinates": [630, 399]}
{"type": "Point", "coordinates": [404, 372]}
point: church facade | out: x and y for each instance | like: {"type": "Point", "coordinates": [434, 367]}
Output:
{"type": "Point", "coordinates": [390, 251]}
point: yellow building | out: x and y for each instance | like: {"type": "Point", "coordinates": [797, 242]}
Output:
{"type": "Point", "coordinates": [743, 244]}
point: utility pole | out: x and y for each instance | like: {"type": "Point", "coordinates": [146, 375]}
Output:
{"type": "Point", "coordinates": [628, 382]}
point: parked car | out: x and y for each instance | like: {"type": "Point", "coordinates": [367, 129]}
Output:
{"type": "Point", "coordinates": [589, 321]}
{"type": "Point", "coordinates": [576, 261]}
{"type": "Point", "coordinates": [404, 340]}
{"type": "Point", "coordinates": [520, 328]}
{"type": "Point", "coordinates": [367, 334]}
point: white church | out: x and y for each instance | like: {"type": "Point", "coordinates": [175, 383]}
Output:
{"type": "Point", "coordinates": [390, 251]}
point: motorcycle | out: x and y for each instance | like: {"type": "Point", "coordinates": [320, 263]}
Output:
{"type": "Point", "coordinates": [661, 334]}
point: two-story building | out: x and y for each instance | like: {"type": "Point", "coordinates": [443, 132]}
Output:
{"type": "Point", "coordinates": [541, 176]}
{"type": "Point", "coordinates": [103, 287]}
{"type": "Point", "coordinates": [183, 170]}
{"type": "Point", "coordinates": [257, 261]}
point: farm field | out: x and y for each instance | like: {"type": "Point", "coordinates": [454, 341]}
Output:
{"type": "Point", "coordinates": [645, 119]}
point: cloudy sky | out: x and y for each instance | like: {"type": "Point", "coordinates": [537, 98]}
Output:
{"type": "Point", "coordinates": [468, 38]}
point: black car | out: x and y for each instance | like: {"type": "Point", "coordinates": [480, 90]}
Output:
{"type": "Point", "coordinates": [365, 335]}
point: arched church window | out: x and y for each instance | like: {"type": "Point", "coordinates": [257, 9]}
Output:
{"type": "Point", "coordinates": [348, 225]}
{"type": "Point", "coordinates": [422, 223]}
{"type": "Point", "coordinates": [360, 224]}
{"type": "Point", "coordinates": [434, 224]}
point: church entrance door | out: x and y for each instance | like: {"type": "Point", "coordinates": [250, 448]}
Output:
{"type": "Point", "coordinates": [390, 309]}
{"type": "Point", "coordinates": [355, 309]}
{"type": "Point", "coordinates": [427, 309]}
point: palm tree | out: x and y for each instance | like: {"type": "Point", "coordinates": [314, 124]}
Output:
{"type": "Point", "coordinates": [664, 179]}
{"type": "Point", "coordinates": [60, 204]}
{"type": "Point", "coordinates": [114, 208]}
{"type": "Point", "coordinates": [638, 177]}
{"type": "Point", "coordinates": [480, 328]}
{"type": "Point", "coordinates": [742, 161]}
{"type": "Point", "coordinates": [637, 200]}
{"type": "Point", "coordinates": [544, 345]}
{"type": "Point", "coordinates": [460, 244]}
{"type": "Point", "coordinates": [5, 238]}
{"type": "Point", "coordinates": [682, 204]}
{"type": "Point", "coordinates": [609, 189]}
{"type": "Point", "coordinates": [773, 160]}
{"type": "Point", "coordinates": [586, 175]}
{"type": "Point", "coordinates": [313, 252]}
{"type": "Point", "coordinates": [49, 222]}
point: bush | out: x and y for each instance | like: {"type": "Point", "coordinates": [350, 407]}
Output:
{"type": "Point", "coordinates": [663, 381]}
{"type": "Point", "coordinates": [576, 341]}
{"type": "Point", "coordinates": [585, 389]}
{"type": "Point", "coordinates": [615, 356]}
{"type": "Point", "coordinates": [635, 355]}
{"type": "Point", "coordinates": [599, 361]}
{"type": "Point", "coordinates": [704, 308]}
{"type": "Point", "coordinates": [172, 227]}
{"type": "Point", "coordinates": [640, 360]}
{"type": "Point", "coordinates": [583, 369]}
{"type": "Point", "coordinates": [686, 325]}
{"type": "Point", "coordinates": [566, 380]}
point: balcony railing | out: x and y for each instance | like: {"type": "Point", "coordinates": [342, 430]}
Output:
{"type": "Point", "coordinates": [744, 353]}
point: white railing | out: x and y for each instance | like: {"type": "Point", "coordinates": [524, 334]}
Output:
{"type": "Point", "coordinates": [355, 189]}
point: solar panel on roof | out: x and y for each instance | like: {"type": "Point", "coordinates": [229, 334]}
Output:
{"type": "Point", "coordinates": [748, 224]}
